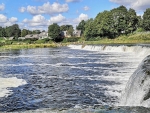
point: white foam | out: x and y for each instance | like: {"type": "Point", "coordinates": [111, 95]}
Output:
{"type": "Point", "coordinates": [6, 83]}
{"type": "Point", "coordinates": [130, 56]}
{"type": "Point", "coordinates": [140, 51]}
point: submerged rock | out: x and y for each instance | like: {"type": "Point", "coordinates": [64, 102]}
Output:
{"type": "Point", "coordinates": [137, 91]}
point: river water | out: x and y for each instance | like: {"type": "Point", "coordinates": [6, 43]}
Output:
{"type": "Point", "coordinates": [64, 78]}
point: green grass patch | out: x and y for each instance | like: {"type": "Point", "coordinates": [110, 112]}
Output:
{"type": "Point", "coordinates": [27, 46]}
{"type": "Point", "coordinates": [124, 39]}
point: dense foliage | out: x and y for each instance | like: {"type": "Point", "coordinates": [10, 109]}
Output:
{"type": "Point", "coordinates": [15, 31]}
{"type": "Point", "coordinates": [54, 32]}
{"type": "Point", "coordinates": [68, 28]}
{"type": "Point", "coordinates": [113, 23]}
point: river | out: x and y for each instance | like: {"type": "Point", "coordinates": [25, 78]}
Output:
{"type": "Point", "coordinates": [73, 77]}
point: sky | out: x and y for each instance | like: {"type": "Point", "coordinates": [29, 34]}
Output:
{"type": "Point", "coordinates": [39, 14]}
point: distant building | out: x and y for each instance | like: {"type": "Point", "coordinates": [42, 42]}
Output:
{"type": "Point", "coordinates": [35, 36]}
{"type": "Point", "coordinates": [77, 33]}
{"type": "Point", "coordinates": [11, 38]}
{"type": "Point", "coordinates": [21, 38]}
{"type": "Point", "coordinates": [43, 35]}
{"type": "Point", "coordinates": [28, 36]}
{"type": "Point", "coordinates": [65, 34]}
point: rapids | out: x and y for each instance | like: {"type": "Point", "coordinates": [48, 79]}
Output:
{"type": "Point", "coordinates": [73, 77]}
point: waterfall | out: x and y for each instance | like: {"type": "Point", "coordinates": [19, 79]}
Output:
{"type": "Point", "coordinates": [137, 91]}
{"type": "Point", "coordinates": [139, 50]}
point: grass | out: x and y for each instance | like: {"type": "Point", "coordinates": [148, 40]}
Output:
{"type": "Point", "coordinates": [135, 38]}
{"type": "Point", "coordinates": [26, 46]}
{"type": "Point", "coordinates": [125, 39]}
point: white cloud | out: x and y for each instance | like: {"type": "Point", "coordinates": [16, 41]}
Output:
{"type": "Point", "coordinates": [22, 9]}
{"type": "Point", "coordinates": [13, 19]}
{"type": "Point", "coordinates": [57, 19]}
{"type": "Point", "coordinates": [138, 5]}
{"type": "Point", "coordinates": [3, 18]}
{"type": "Point", "coordinates": [40, 20]}
{"type": "Point", "coordinates": [81, 17]}
{"type": "Point", "coordinates": [4, 21]}
{"type": "Point", "coordinates": [48, 8]}
{"type": "Point", "coordinates": [2, 7]}
{"type": "Point", "coordinates": [37, 20]}
{"type": "Point", "coordinates": [86, 8]}
{"type": "Point", "coordinates": [72, 0]}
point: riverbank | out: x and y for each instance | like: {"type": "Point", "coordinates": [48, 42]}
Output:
{"type": "Point", "coordinates": [136, 38]}
{"type": "Point", "coordinates": [26, 46]}
{"type": "Point", "coordinates": [125, 39]}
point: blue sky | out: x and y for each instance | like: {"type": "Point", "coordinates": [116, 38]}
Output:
{"type": "Point", "coordinates": [39, 14]}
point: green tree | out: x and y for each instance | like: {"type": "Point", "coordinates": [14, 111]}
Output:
{"type": "Point", "coordinates": [24, 32]}
{"type": "Point", "coordinates": [88, 33]}
{"type": "Point", "coordinates": [140, 22]}
{"type": "Point", "coordinates": [132, 22]}
{"type": "Point", "coordinates": [104, 24]}
{"type": "Point", "coordinates": [54, 31]}
{"type": "Point", "coordinates": [120, 20]}
{"type": "Point", "coordinates": [16, 32]}
{"type": "Point", "coordinates": [13, 31]}
{"type": "Point", "coordinates": [36, 32]}
{"type": "Point", "coordinates": [2, 32]}
{"type": "Point", "coordinates": [81, 26]}
{"type": "Point", "coordinates": [63, 28]}
{"type": "Point", "coordinates": [8, 31]}
{"type": "Point", "coordinates": [70, 31]}
{"type": "Point", "coordinates": [146, 20]}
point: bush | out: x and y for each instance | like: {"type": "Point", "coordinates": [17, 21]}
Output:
{"type": "Point", "coordinates": [94, 39]}
{"type": "Point", "coordinates": [29, 41]}
{"type": "Point", "coordinates": [46, 40]}
{"type": "Point", "coordinates": [71, 39]}
{"type": "Point", "coordinates": [40, 41]}
{"type": "Point", "coordinates": [1, 44]}
{"type": "Point", "coordinates": [140, 30]}
{"type": "Point", "coordinates": [8, 42]}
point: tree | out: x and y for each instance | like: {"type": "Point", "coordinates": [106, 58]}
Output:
{"type": "Point", "coordinates": [140, 22]}
{"type": "Point", "coordinates": [8, 31]}
{"type": "Point", "coordinates": [104, 24]}
{"type": "Point", "coordinates": [2, 32]}
{"type": "Point", "coordinates": [13, 31]}
{"type": "Point", "coordinates": [120, 19]}
{"type": "Point", "coordinates": [24, 32]}
{"type": "Point", "coordinates": [146, 20]}
{"type": "Point", "coordinates": [63, 28]}
{"type": "Point", "coordinates": [81, 26]}
{"type": "Point", "coordinates": [16, 32]}
{"type": "Point", "coordinates": [36, 32]}
{"type": "Point", "coordinates": [132, 22]}
{"type": "Point", "coordinates": [54, 31]}
{"type": "Point", "coordinates": [70, 31]}
{"type": "Point", "coordinates": [88, 29]}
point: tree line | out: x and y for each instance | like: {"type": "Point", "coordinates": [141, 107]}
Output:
{"type": "Point", "coordinates": [110, 24]}
{"type": "Point", "coordinates": [54, 31]}
{"type": "Point", "coordinates": [113, 23]}
{"type": "Point", "coordinates": [15, 31]}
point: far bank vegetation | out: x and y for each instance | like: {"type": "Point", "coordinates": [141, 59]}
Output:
{"type": "Point", "coordinates": [119, 25]}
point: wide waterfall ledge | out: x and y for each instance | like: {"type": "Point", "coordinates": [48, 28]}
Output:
{"type": "Point", "coordinates": [137, 91]}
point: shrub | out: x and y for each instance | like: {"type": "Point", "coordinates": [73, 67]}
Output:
{"type": "Point", "coordinates": [71, 39]}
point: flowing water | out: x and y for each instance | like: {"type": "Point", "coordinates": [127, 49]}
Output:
{"type": "Point", "coordinates": [73, 77]}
